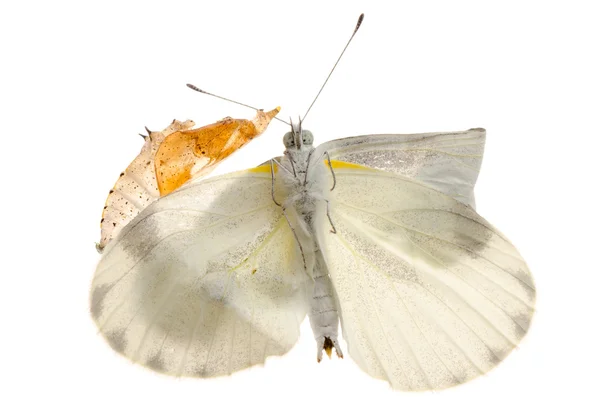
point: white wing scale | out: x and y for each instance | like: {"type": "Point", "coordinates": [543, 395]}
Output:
{"type": "Point", "coordinates": [204, 282]}
{"type": "Point", "coordinates": [430, 295]}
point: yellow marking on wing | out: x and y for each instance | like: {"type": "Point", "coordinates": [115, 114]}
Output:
{"type": "Point", "coordinates": [263, 168]}
{"type": "Point", "coordinates": [343, 164]}
{"type": "Point", "coordinates": [334, 163]}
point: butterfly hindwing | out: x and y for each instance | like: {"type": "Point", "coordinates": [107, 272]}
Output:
{"type": "Point", "coordinates": [448, 162]}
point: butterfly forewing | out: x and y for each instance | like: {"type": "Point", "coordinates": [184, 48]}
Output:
{"type": "Point", "coordinates": [204, 282]}
{"type": "Point", "coordinates": [430, 294]}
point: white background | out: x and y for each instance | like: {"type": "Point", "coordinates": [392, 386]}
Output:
{"type": "Point", "coordinates": [79, 80]}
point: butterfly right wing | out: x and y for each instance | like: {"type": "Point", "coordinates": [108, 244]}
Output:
{"type": "Point", "coordinates": [448, 162]}
{"type": "Point", "coordinates": [205, 281]}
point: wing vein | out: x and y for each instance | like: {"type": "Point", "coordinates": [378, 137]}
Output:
{"type": "Point", "coordinates": [192, 336]}
{"type": "Point", "coordinates": [420, 330]}
{"type": "Point", "coordinates": [159, 311]}
{"type": "Point", "coordinates": [427, 290]}
{"type": "Point", "coordinates": [439, 326]}
{"type": "Point", "coordinates": [229, 366]}
{"type": "Point", "coordinates": [220, 311]}
{"type": "Point", "coordinates": [259, 249]}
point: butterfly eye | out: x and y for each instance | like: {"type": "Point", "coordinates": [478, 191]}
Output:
{"type": "Point", "coordinates": [307, 137]}
{"type": "Point", "coordinates": [288, 139]}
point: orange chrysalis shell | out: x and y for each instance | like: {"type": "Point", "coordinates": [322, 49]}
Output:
{"type": "Point", "coordinates": [169, 159]}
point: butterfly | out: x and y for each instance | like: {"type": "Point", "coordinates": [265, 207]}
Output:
{"type": "Point", "coordinates": [168, 159]}
{"type": "Point", "coordinates": [377, 232]}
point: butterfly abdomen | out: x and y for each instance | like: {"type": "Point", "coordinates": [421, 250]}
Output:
{"type": "Point", "coordinates": [323, 315]}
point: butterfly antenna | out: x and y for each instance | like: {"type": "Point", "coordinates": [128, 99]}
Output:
{"type": "Point", "coordinates": [358, 23]}
{"type": "Point", "coordinates": [193, 87]}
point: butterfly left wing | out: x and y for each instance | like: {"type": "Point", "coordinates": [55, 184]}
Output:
{"type": "Point", "coordinates": [205, 281]}
{"type": "Point", "coordinates": [430, 295]}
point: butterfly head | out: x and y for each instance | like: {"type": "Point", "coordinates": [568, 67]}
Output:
{"type": "Point", "coordinates": [298, 138]}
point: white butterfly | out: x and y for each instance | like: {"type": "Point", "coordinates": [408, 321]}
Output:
{"type": "Point", "coordinates": [377, 231]}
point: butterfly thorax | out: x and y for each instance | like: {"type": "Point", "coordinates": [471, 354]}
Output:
{"type": "Point", "coordinates": [303, 177]}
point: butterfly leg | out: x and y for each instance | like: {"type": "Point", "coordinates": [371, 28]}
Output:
{"type": "Point", "coordinates": [273, 187]}
{"type": "Point", "coordinates": [285, 214]}
{"type": "Point", "coordinates": [273, 177]}
{"type": "Point", "coordinates": [292, 172]}
{"type": "Point", "coordinates": [295, 235]}
{"type": "Point", "coordinates": [332, 174]}
{"type": "Point", "coordinates": [333, 230]}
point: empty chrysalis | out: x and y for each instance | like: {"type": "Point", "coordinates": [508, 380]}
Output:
{"type": "Point", "coordinates": [377, 233]}
{"type": "Point", "coordinates": [169, 159]}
